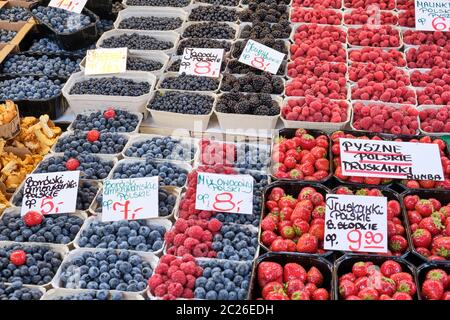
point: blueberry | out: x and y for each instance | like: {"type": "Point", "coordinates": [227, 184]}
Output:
{"type": "Point", "coordinates": [181, 102]}
{"type": "Point", "coordinates": [136, 41]}
{"type": "Point", "coordinates": [212, 13]}
{"type": "Point", "coordinates": [44, 65]}
{"type": "Point", "coordinates": [159, 3]}
{"type": "Point", "coordinates": [151, 23]}
{"type": "Point", "coordinates": [110, 86]}
{"type": "Point", "coordinates": [62, 21]}
{"type": "Point", "coordinates": [209, 30]}
{"type": "Point", "coordinates": [190, 83]}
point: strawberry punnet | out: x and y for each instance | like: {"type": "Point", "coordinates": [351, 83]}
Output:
{"type": "Point", "coordinates": [436, 285]}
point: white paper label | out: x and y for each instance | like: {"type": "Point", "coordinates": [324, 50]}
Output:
{"type": "Point", "coordinates": [130, 199]}
{"type": "Point", "coordinates": [391, 159]}
{"type": "Point", "coordinates": [261, 57]}
{"type": "Point", "coordinates": [356, 223]}
{"type": "Point", "coordinates": [69, 5]}
{"type": "Point", "coordinates": [224, 193]}
{"type": "Point", "coordinates": [50, 193]}
{"type": "Point", "coordinates": [432, 15]}
{"type": "Point", "coordinates": [201, 62]}
{"type": "Point", "coordinates": [105, 61]}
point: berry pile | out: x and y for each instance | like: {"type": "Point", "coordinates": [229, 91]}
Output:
{"type": "Point", "coordinates": [14, 14]}
{"type": "Point", "coordinates": [377, 55]}
{"type": "Point", "coordinates": [111, 120]}
{"type": "Point", "coordinates": [255, 104]}
{"type": "Point", "coordinates": [104, 25]}
{"type": "Point", "coordinates": [390, 91]}
{"type": "Point", "coordinates": [368, 281]}
{"type": "Point", "coordinates": [212, 13]}
{"type": "Point", "coordinates": [322, 48]}
{"type": "Point", "coordinates": [111, 87]}
{"type": "Point", "coordinates": [434, 94]}
{"type": "Point", "coordinates": [436, 75]}
{"type": "Point", "coordinates": [106, 270]}
{"type": "Point", "coordinates": [189, 83]}
{"type": "Point", "coordinates": [16, 291]}
{"type": "Point", "coordinates": [436, 285]}
{"type": "Point", "coordinates": [31, 265]}
{"type": "Point", "coordinates": [311, 33]}
{"type": "Point", "coordinates": [91, 167]}
{"type": "Point", "coordinates": [175, 277]}
{"type": "Point", "coordinates": [62, 21]}
{"type": "Point", "coordinates": [263, 12]}
{"type": "Point", "coordinates": [34, 227]}
{"type": "Point", "coordinates": [261, 30]}
{"type": "Point", "coordinates": [302, 156]}
{"type": "Point", "coordinates": [275, 44]}
{"type": "Point", "coordinates": [47, 66]}
{"type": "Point", "coordinates": [182, 102]}
{"type": "Point", "coordinates": [7, 35]}
{"type": "Point", "coordinates": [383, 4]}
{"type": "Point", "coordinates": [159, 3]}
{"type": "Point", "coordinates": [91, 295]}
{"type": "Point", "coordinates": [430, 226]}
{"type": "Point", "coordinates": [294, 224]}
{"type": "Point", "coordinates": [291, 282]}
{"type": "Point", "coordinates": [209, 30]}
{"type": "Point", "coordinates": [169, 174]}
{"type": "Point", "coordinates": [136, 41]}
{"type": "Point", "coordinates": [47, 45]}
{"type": "Point", "coordinates": [382, 118]}
{"type": "Point", "coordinates": [253, 83]}
{"type": "Point", "coordinates": [315, 110]}
{"type": "Point", "coordinates": [91, 142]}
{"type": "Point", "coordinates": [366, 73]}
{"type": "Point", "coordinates": [125, 235]}
{"type": "Point", "coordinates": [334, 4]}
{"type": "Point", "coordinates": [141, 64]}
{"type": "Point", "coordinates": [361, 16]}
{"type": "Point", "coordinates": [230, 3]}
{"type": "Point", "coordinates": [29, 88]}
{"type": "Point", "coordinates": [333, 86]}
{"type": "Point", "coordinates": [234, 66]}
{"type": "Point", "coordinates": [151, 23]}
{"type": "Point", "coordinates": [315, 67]}
{"type": "Point", "coordinates": [413, 37]}
{"type": "Point", "coordinates": [167, 148]}
{"type": "Point", "coordinates": [435, 120]}
{"type": "Point", "coordinates": [379, 36]}
{"type": "Point", "coordinates": [428, 56]}
{"type": "Point", "coordinates": [396, 233]}
{"type": "Point", "coordinates": [319, 15]}
{"type": "Point", "coordinates": [223, 280]}
{"type": "Point", "coordinates": [202, 43]}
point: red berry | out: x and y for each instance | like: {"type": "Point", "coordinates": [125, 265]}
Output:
{"type": "Point", "coordinates": [72, 164]}
{"type": "Point", "coordinates": [32, 218]}
{"type": "Point", "coordinates": [109, 114]}
{"type": "Point", "coordinates": [18, 257]}
{"type": "Point", "coordinates": [93, 136]}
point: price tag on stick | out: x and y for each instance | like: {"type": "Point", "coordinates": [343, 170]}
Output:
{"type": "Point", "coordinates": [261, 57]}
{"type": "Point", "coordinates": [356, 223]}
{"type": "Point", "coordinates": [105, 61]}
{"type": "Point", "coordinates": [201, 62]}
{"type": "Point", "coordinates": [432, 15]}
{"type": "Point", "coordinates": [224, 193]}
{"type": "Point", "coordinates": [51, 193]}
{"type": "Point", "coordinates": [130, 199]}
{"type": "Point", "coordinates": [391, 159]}
{"type": "Point", "coordinates": [75, 6]}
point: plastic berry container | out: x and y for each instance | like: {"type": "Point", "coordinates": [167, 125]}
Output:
{"type": "Point", "coordinates": [58, 293]}
{"type": "Point", "coordinates": [422, 271]}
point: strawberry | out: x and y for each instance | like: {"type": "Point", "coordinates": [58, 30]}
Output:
{"type": "Point", "coordinates": [307, 243]}
{"type": "Point", "coordinates": [361, 283]}
{"type": "Point", "coordinates": [72, 164]}
{"type": "Point", "coordinates": [279, 245]}
{"type": "Point", "coordinates": [359, 269]}
{"type": "Point", "coordinates": [401, 296]}
{"type": "Point", "coordinates": [93, 136]}
{"type": "Point", "coordinates": [109, 113]}
{"type": "Point", "coordinates": [390, 267]}
{"type": "Point", "coordinates": [294, 271]}
{"type": "Point", "coordinates": [268, 224]}
{"type": "Point", "coordinates": [347, 288]}
{"type": "Point", "coordinates": [368, 294]}
{"type": "Point", "coordinates": [387, 286]}
{"type": "Point", "coordinates": [300, 295]}
{"type": "Point", "coordinates": [32, 218]}
{"type": "Point", "coordinates": [407, 286]}
{"type": "Point", "coordinates": [18, 257]}
{"type": "Point", "coordinates": [276, 296]}
{"type": "Point", "coordinates": [421, 238]}
{"type": "Point", "coordinates": [294, 285]}
{"type": "Point", "coordinates": [306, 193]}
{"type": "Point", "coordinates": [272, 287]}
{"type": "Point", "coordinates": [441, 247]}
{"type": "Point", "coordinates": [410, 201]}
{"type": "Point", "coordinates": [438, 275]}
{"type": "Point", "coordinates": [344, 190]}
{"type": "Point", "coordinates": [432, 224]}
{"type": "Point", "coordinates": [398, 243]}
{"type": "Point", "coordinates": [315, 276]}
{"type": "Point", "coordinates": [307, 141]}
{"type": "Point", "coordinates": [267, 237]}
{"type": "Point", "coordinates": [318, 212]}
{"type": "Point", "coordinates": [432, 289]}
{"type": "Point", "coordinates": [287, 232]}
{"type": "Point", "coordinates": [424, 207]}
{"type": "Point", "coordinates": [300, 226]}
{"type": "Point", "coordinates": [269, 272]}
{"type": "Point", "coordinates": [320, 294]}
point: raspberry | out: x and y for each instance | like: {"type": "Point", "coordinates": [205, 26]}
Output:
{"type": "Point", "coordinates": [207, 236]}
{"type": "Point", "coordinates": [172, 250]}
{"type": "Point", "coordinates": [181, 225]}
{"type": "Point", "coordinates": [190, 281]}
{"type": "Point", "coordinates": [175, 289]}
{"type": "Point", "coordinates": [190, 243]}
{"type": "Point", "coordinates": [167, 258]}
{"type": "Point", "coordinates": [172, 270]}
{"type": "Point", "coordinates": [169, 236]}
{"type": "Point", "coordinates": [32, 218]}
{"type": "Point", "coordinates": [18, 257]}
{"type": "Point", "coordinates": [72, 164]}
{"type": "Point", "coordinates": [188, 293]}
{"type": "Point", "coordinates": [162, 268]}
{"type": "Point", "coordinates": [176, 263]}
{"type": "Point", "coordinates": [93, 136]}
{"type": "Point", "coordinates": [169, 297]}
{"type": "Point", "coordinates": [160, 290]}
{"type": "Point", "coordinates": [109, 114]}
{"type": "Point", "coordinates": [179, 239]}
{"type": "Point", "coordinates": [179, 277]}
{"type": "Point", "coordinates": [154, 281]}
{"type": "Point", "coordinates": [181, 250]}
{"type": "Point", "coordinates": [198, 271]}
{"type": "Point", "coordinates": [214, 225]}
{"type": "Point", "coordinates": [195, 232]}
{"type": "Point", "coordinates": [187, 257]}
{"type": "Point", "coordinates": [188, 267]}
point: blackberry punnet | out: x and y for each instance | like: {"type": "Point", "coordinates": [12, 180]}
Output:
{"type": "Point", "coordinates": [16, 291]}
{"type": "Point", "coordinates": [7, 35]}
{"type": "Point", "coordinates": [110, 120]}
{"type": "Point", "coordinates": [261, 30]}
{"type": "Point", "coordinates": [91, 295]}
{"type": "Point", "coordinates": [263, 12]}
{"type": "Point", "coordinates": [256, 104]}
{"type": "Point", "coordinates": [213, 13]}
{"type": "Point", "coordinates": [159, 3]}
{"type": "Point", "coordinates": [151, 23]}
{"type": "Point", "coordinates": [168, 148]}
{"type": "Point", "coordinates": [111, 87]}
{"type": "Point", "coordinates": [190, 83]}
{"type": "Point", "coordinates": [278, 45]}
{"type": "Point", "coordinates": [30, 88]}
{"type": "Point", "coordinates": [264, 83]}
{"type": "Point", "coordinates": [234, 66]}
{"type": "Point", "coordinates": [92, 142]}
{"type": "Point", "coordinates": [203, 43]}
{"type": "Point", "coordinates": [229, 3]}
{"type": "Point", "coordinates": [209, 30]}
{"type": "Point", "coordinates": [136, 41]}
{"type": "Point", "coordinates": [62, 21]}
{"type": "Point", "coordinates": [182, 102]}
{"type": "Point", "coordinates": [14, 14]}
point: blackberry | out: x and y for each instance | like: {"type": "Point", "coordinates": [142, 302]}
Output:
{"type": "Point", "coordinates": [234, 66]}
{"type": "Point", "coordinates": [159, 3]}
{"type": "Point", "coordinates": [242, 107]}
{"type": "Point", "coordinates": [261, 30]}
{"type": "Point", "coordinates": [257, 104]}
{"type": "Point", "coordinates": [252, 83]}
{"type": "Point", "coordinates": [264, 12]}
{"type": "Point", "coordinates": [229, 3]}
{"type": "Point", "coordinates": [210, 30]}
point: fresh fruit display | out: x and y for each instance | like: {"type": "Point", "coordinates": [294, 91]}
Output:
{"type": "Point", "coordinates": [414, 37]}
{"type": "Point", "coordinates": [318, 14]}
{"type": "Point", "coordinates": [91, 142]}
{"type": "Point", "coordinates": [255, 104]}
{"type": "Point", "coordinates": [303, 156]}
{"type": "Point", "coordinates": [253, 83]}
{"type": "Point", "coordinates": [30, 88]}
{"type": "Point", "coordinates": [377, 55]}
{"type": "Point", "coordinates": [261, 30]}
{"type": "Point", "coordinates": [212, 13]}
{"type": "Point", "coordinates": [202, 43]}
{"type": "Point", "coordinates": [397, 239]}
{"type": "Point", "coordinates": [111, 120]}
{"type": "Point", "coordinates": [429, 225]}
{"type": "Point", "coordinates": [62, 21]}
{"type": "Point", "coordinates": [428, 56]}
{"type": "Point", "coordinates": [159, 147]}
{"type": "Point", "coordinates": [436, 75]}
{"type": "Point", "coordinates": [435, 285]}
{"type": "Point", "coordinates": [135, 41]}
{"type": "Point", "coordinates": [382, 4]}
{"type": "Point", "coordinates": [14, 14]}
{"type": "Point", "coordinates": [362, 16]}
{"type": "Point", "coordinates": [189, 83]}
{"type": "Point", "coordinates": [294, 221]}
{"type": "Point", "coordinates": [435, 119]}
{"type": "Point", "coordinates": [209, 30]}
{"type": "Point", "coordinates": [291, 281]}
{"type": "Point", "coordinates": [111, 87]}
{"type": "Point", "coordinates": [367, 280]}
{"type": "Point", "coordinates": [263, 12]}
{"type": "Point", "coordinates": [362, 73]}
{"type": "Point", "coordinates": [315, 110]}
{"type": "Point", "coordinates": [151, 23]}
{"type": "Point", "coordinates": [16, 291]}
{"type": "Point", "coordinates": [182, 102]}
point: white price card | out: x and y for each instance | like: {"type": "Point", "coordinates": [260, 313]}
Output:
{"type": "Point", "coordinates": [75, 6]}
{"type": "Point", "coordinates": [201, 62]}
{"type": "Point", "coordinates": [432, 15]}
{"type": "Point", "coordinates": [130, 199]}
{"type": "Point", "coordinates": [105, 61]}
{"type": "Point", "coordinates": [261, 57]}
{"type": "Point", "coordinates": [356, 223]}
{"type": "Point", "coordinates": [50, 193]}
{"type": "Point", "coordinates": [391, 159]}
{"type": "Point", "coordinates": [224, 193]}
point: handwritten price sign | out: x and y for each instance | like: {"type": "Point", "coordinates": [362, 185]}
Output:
{"type": "Point", "coordinates": [224, 193]}
{"type": "Point", "coordinates": [391, 159]}
{"type": "Point", "coordinates": [201, 62]}
{"type": "Point", "coordinates": [356, 223]}
{"type": "Point", "coordinates": [130, 199]}
{"type": "Point", "coordinates": [104, 61]}
{"type": "Point", "coordinates": [432, 15]}
{"type": "Point", "coordinates": [69, 5]}
{"type": "Point", "coordinates": [261, 57]}
{"type": "Point", "coordinates": [50, 193]}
